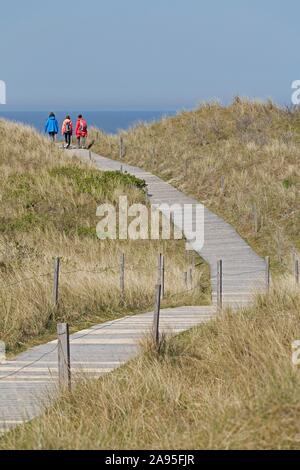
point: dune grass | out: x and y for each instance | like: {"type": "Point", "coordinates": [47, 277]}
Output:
{"type": "Point", "coordinates": [228, 384]}
{"type": "Point", "coordinates": [48, 209]}
{"type": "Point", "coordinates": [236, 160]}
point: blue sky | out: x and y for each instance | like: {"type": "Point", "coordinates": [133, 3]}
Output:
{"type": "Point", "coordinates": [147, 54]}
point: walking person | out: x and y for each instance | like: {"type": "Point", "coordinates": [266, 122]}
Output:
{"type": "Point", "coordinates": [51, 127]}
{"type": "Point", "coordinates": [67, 131]}
{"type": "Point", "coordinates": [81, 131]}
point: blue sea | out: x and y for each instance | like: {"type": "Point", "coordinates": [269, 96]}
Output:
{"type": "Point", "coordinates": [109, 121]}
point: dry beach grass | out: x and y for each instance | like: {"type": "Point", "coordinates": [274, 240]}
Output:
{"type": "Point", "coordinates": [233, 159]}
{"type": "Point", "coordinates": [228, 384]}
{"type": "Point", "coordinates": [48, 209]}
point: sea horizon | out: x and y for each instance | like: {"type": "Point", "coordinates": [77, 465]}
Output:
{"type": "Point", "coordinates": [110, 121]}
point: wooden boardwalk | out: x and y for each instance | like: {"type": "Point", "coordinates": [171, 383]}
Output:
{"type": "Point", "coordinates": [29, 382]}
{"type": "Point", "coordinates": [244, 272]}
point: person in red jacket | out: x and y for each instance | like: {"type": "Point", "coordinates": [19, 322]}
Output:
{"type": "Point", "coordinates": [67, 131]}
{"type": "Point", "coordinates": [81, 131]}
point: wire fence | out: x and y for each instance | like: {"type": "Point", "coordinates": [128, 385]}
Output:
{"type": "Point", "coordinates": [112, 269]}
{"type": "Point", "coordinates": [71, 341]}
{"type": "Point", "coordinates": [115, 269]}
{"type": "Point", "coordinates": [188, 280]}
{"type": "Point", "coordinates": [54, 349]}
{"type": "Point", "coordinates": [22, 281]}
{"type": "Point", "coordinates": [239, 274]}
{"type": "Point", "coordinates": [158, 270]}
{"type": "Point", "coordinates": [27, 365]}
{"type": "Point", "coordinates": [120, 270]}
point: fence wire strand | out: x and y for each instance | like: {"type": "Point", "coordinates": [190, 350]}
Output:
{"type": "Point", "coordinates": [106, 325]}
{"type": "Point", "coordinates": [25, 280]}
{"type": "Point", "coordinates": [29, 365]}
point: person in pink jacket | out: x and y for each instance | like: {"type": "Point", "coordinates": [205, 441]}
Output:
{"type": "Point", "coordinates": [67, 131]}
{"type": "Point", "coordinates": [81, 131]}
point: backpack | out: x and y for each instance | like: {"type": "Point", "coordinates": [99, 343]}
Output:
{"type": "Point", "coordinates": [83, 126]}
{"type": "Point", "coordinates": [68, 127]}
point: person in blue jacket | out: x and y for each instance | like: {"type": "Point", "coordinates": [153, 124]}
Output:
{"type": "Point", "coordinates": [51, 126]}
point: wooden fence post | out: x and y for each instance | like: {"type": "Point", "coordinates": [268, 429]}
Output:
{"type": "Point", "coordinates": [161, 273]}
{"type": "Point", "coordinates": [293, 257]}
{"type": "Point", "coordinates": [222, 184]}
{"type": "Point", "coordinates": [159, 263]}
{"type": "Point", "coordinates": [56, 282]}
{"type": "Point", "coordinates": [64, 363]}
{"type": "Point", "coordinates": [122, 151]}
{"type": "Point", "coordinates": [122, 274]}
{"type": "Point", "coordinates": [120, 147]}
{"type": "Point", "coordinates": [185, 279]}
{"type": "Point", "coordinates": [220, 285]}
{"type": "Point", "coordinates": [267, 259]}
{"type": "Point", "coordinates": [156, 315]}
{"type": "Point", "coordinates": [296, 270]}
{"type": "Point", "coordinates": [90, 155]}
{"type": "Point", "coordinates": [2, 352]}
{"type": "Point", "coordinates": [191, 277]}
{"type": "Point", "coordinates": [193, 260]}
{"type": "Point", "coordinates": [255, 219]}
{"type": "Point", "coordinates": [163, 276]}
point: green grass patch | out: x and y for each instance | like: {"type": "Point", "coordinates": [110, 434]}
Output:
{"type": "Point", "coordinates": [96, 183]}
